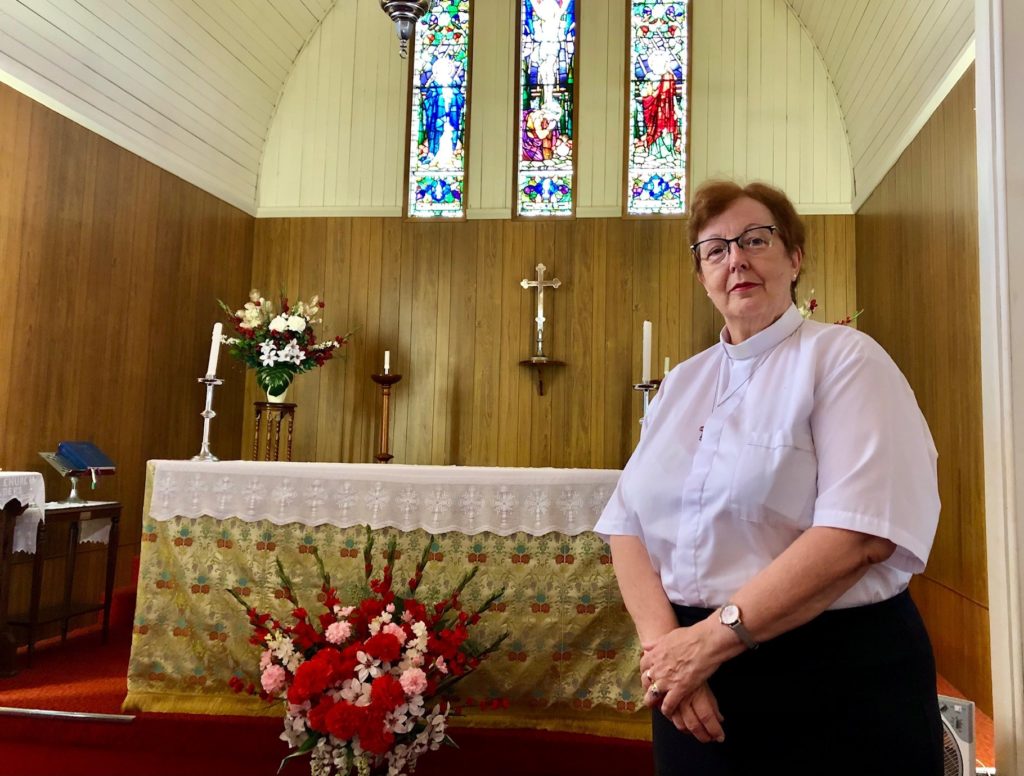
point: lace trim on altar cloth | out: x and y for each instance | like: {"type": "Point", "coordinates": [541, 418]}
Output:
{"type": "Point", "coordinates": [438, 499]}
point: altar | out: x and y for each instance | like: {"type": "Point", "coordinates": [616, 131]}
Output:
{"type": "Point", "coordinates": [570, 662]}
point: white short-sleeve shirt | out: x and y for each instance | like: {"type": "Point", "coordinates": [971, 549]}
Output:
{"type": "Point", "coordinates": [746, 446]}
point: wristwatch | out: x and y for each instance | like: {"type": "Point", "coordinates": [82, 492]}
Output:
{"type": "Point", "coordinates": [729, 615]}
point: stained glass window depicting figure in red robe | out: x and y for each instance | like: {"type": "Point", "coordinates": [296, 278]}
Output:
{"type": "Point", "coordinates": [656, 179]}
{"type": "Point", "coordinates": [547, 133]}
{"type": "Point", "coordinates": [437, 155]}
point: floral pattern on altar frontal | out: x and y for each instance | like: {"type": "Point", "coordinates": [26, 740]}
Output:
{"type": "Point", "coordinates": [571, 642]}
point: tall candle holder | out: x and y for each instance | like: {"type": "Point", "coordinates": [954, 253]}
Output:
{"type": "Point", "coordinates": [385, 382]}
{"type": "Point", "coordinates": [210, 381]}
{"type": "Point", "coordinates": [647, 388]}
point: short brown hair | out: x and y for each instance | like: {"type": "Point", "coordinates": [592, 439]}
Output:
{"type": "Point", "coordinates": [712, 198]}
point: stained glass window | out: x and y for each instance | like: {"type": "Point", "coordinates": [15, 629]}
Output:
{"type": "Point", "coordinates": [656, 179]}
{"type": "Point", "coordinates": [547, 132]}
{"type": "Point", "coordinates": [437, 154]}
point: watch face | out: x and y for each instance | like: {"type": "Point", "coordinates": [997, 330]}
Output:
{"type": "Point", "coordinates": [730, 614]}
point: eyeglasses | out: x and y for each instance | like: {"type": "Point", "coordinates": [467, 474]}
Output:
{"type": "Point", "coordinates": [754, 240]}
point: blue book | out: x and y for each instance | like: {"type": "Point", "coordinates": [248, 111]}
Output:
{"type": "Point", "coordinates": [82, 456]}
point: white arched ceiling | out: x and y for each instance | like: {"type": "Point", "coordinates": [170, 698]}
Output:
{"type": "Point", "coordinates": [194, 86]}
{"type": "Point", "coordinates": [892, 63]}
{"type": "Point", "coordinates": [190, 85]}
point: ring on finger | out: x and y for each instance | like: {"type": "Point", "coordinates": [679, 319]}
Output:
{"type": "Point", "coordinates": [653, 689]}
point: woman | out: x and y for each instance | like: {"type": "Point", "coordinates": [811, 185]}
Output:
{"type": "Point", "coordinates": [766, 527]}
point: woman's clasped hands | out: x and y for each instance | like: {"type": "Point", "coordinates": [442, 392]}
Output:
{"type": "Point", "coordinates": [673, 672]}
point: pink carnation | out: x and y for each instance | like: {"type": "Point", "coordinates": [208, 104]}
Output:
{"type": "Point", "coordinates": [441, 666]}
{"type": "Point", "coordinates": [273, 679]}
{"type": "Point", "coordinates": [265, 659]}
{"type": "Point", "coordinates": [395, 630]}
{"type": "Point", "coordinates": [414, 681]}
{"type": "Point", "coordinates": [338, 632]}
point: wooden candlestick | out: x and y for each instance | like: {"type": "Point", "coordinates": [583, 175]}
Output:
{"type": "Point", "coordinates": [385, 382]}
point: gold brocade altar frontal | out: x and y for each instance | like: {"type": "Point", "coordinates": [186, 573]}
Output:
{"type": "Point", "coordinates": [570, 661]}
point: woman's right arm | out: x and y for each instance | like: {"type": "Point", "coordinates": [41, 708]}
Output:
{"type": "Point", "coordinates": [641, 588]}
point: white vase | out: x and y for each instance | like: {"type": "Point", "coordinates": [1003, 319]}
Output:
{"type": "Point", "coordinates": [277, 398]}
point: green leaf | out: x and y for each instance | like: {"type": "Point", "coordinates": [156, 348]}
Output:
{"type": "Point", "coordinates": [275, 379]}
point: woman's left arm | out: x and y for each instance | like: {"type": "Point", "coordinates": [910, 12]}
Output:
{"type": "Point", "coordinates": [801, 583]}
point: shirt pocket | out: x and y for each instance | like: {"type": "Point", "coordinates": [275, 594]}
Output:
{"type": "Point", "coordinates": [775, 480]}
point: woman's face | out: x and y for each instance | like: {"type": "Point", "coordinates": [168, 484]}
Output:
{"type": "Point", "coordinates": [750, 287]}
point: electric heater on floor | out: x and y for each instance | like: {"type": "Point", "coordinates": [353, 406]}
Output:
{"type": "Point", "coordinates": [957, 736]}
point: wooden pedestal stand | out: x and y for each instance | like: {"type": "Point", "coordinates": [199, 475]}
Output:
{"type": "Point", "coordinates": [385, 382]}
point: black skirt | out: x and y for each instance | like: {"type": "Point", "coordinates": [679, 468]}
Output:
{"type": "Point", "coordinates": [851, 692]}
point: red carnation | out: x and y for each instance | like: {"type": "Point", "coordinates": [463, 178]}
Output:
{"type": "Point", "coordinates": [386, 693]}
{"type": "Point", "coordinates": [318, 714]}
{"type": "Point", "coordinates": [374, 735]}
{"type": "Point", "coordinates": [343, 720]}
{"type": "Point", "coordinates": [315, 676]}
{"type": "Point", "coordinates": [384, 647]}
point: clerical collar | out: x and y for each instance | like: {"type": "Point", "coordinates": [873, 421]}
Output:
{"type": "Point", "coordinates": [766, 339]}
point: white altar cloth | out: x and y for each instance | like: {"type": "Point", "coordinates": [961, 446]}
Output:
{"type": "Point", "coordinates": [438, 499]}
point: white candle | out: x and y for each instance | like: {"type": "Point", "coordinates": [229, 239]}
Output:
{"type": "Point", "coordinates": [387, 362]}
{"type": "Point", "coordinates": [666, 366]}
{"type": "Point", "coordinates": [645, 373]}
{"type": "Point", "coordinates": [211, 365]}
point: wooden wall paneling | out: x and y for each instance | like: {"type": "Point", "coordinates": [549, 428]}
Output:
{"type": "Point", "coordinates": [620, 328]}
{"type": "Point", "coordinates": [337, 411]}
{"type": "Point", "coordinates": [578, 320]}
{"type": "Point", "coordinates": [673, 295]}
{"type": "Point", "coordinates": [361, 284]}
{"type": "Point", "coordinates": [404, 249]}
{"type": "Point", "coordinates": [525, 255]}
{"type": "Point", "coordinates": [541, 408]}
{"type": "Point", "coordinates": [959, 630]}
{"type": "Point", "coordinates": [917, 278]}
{"type": "Point", "coordinates": [462, 366]}
{"type": "Point", "coordinates": [444, 406]}
{"type": "Point", "coordinates": [445, 298]}
{"type": "Point", "coordinates": [310, 282]}
{"type": "Point", "coordinates": [646, 304]}
{"type": "Point", "coordinates": [91, 233]}
{"type": "Point", "coordinates": [423, 316]}
{"type": "Point", "coordinates": [488, 341]}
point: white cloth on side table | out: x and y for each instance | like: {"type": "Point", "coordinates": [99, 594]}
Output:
{"type": "Point", "coordinates": [29, 489]}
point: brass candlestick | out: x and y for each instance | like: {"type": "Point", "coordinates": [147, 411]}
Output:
{"type": "Point", "coordinates": [385, 382]}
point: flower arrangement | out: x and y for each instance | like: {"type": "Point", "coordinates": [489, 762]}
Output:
{"type": "Point", "coordinates": [364, 685]}
{"type": "Point", "coordinates": [279, 345]}
{"type": "Point", "coordinates": [810, 304]}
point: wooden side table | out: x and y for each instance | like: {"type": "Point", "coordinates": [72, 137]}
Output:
{"type": "Point", "coordinates": [8, 647]}
{"type": "Point", "coordinates": [74, 515]}
{"type": "Point", "coordinates": [269, 417]}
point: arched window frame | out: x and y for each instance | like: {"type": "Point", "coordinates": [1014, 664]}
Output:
{"type": "Point", "coordinates": [518, 120]}
{"type": "Point", "coordinates": [407, 203]}
{"type": "Point", "coordinates": [628, 139]}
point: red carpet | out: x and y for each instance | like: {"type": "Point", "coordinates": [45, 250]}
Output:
{"type": "Point", "coordinates": [84, 675]}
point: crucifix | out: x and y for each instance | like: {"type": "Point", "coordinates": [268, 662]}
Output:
{"type": "Point", "coordinates": [540, 284]}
